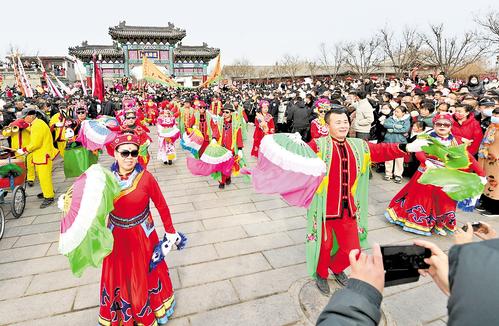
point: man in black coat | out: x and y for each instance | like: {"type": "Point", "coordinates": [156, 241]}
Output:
{"type": "Point", "coordinates": [299, 115]}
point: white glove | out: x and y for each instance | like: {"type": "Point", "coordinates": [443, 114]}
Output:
{"type": "Point", "coordinates": [168, 242]}
{"type": "Point", "coordinates": [240, 154]}
{"type": "Point", "coordinates": [483, 180]}
{"type": "Point", "coordinates": [416, 146]}
{"type": "Point", "coordinates": [213, 141]}
{"type": "Point", "coordinates": [59, 124]}
{"type": "Point", "coordinates": [382, 119]}
{"type": "Point", "coordinates": [429, 165]}
{"type": "Point", "coordinates": [20, 151]}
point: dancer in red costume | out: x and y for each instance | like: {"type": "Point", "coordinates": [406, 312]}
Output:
{"type": "Point", "coordinates": [206, 124]}
{"type": "Point", "coordinates": [348, 161]}
{"type": "Point", "coordinates": [135, 286]}
{"type": "Point", "coordinates": [420, 208]}
{"type": "Point", "coordinates": [231, 138]}
{"type": "Point", "coordinates": [264, 125]}
{"type": "Point", "coordinates": [318, 126]}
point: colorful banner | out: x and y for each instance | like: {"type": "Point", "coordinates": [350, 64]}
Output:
{"type": "Point", "coordinates": [215, 75]}
{"type": "Point", "coordinates": [28, 91]}
{"type": "Point", "coordinates": [97, 82]}
{"type": "Point", "coordinates": [152, 74]}
{"type": "Point", "coordinates": [16, 74]}
{"type": "Point", "coordinates": [54, 91]}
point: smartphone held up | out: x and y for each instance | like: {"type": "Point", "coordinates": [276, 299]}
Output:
{"type": "Point", "coordinates": [401, 263]}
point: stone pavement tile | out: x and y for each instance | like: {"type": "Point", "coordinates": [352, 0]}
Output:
{"type": "Point", "coordinates": [179, 208]}
{"type": "Point", "coordinates": [204, 297]}
{"type": "Point", "coordinates": [377, 222]}
{"type": "Point", "coordinates": [34, 228]}
{"type": "Point", "coordinates": [268, 282]}
{"type": "Point", "coordinates": [13, 222]}
{"type": "Point", "coordinates": [36, 306]}
{"type": "Point", "coordinates": [222, 269]}
{"type": "Point", "coordinates": [270, 204]}
{"type": "Point", "coordinates": [210, 197]}
{"type": "Point", "coordinates": [51, 281]}
{"type": "Point", "coordinates": [381, 196]}
{"type": "Point", "coordinates": [193, 255]}
{"type": "Point", "coordinates": [24, 253]}
{"type": "Point", "coordinates": [214, 236]}
{"type": "Point", "coordinates": [274, 310]}
{"type": "Point", "coordinates": [200, 214]}
{"type": "Point", "coordinates": [298, 236]}
{"type": "Point", "coordinates": [417, 305]}
{"type": "Point", "coordinates": [285, 212]}
{"type": "Point", "coordinates": [37, 238]}
{"type": "Point", "coordinates": [253, 244]}
{"type": "Point", "coordinates": [33, 208]}
{"type": "Point", "coordinates": [53, 250]}
{"type": "Point", "coordinates": [34, 266]}
{"type": "Point", "coordinates": [286, 256]}
{"type": "Point", "coordinates": [87, 296]}
{"type": "Point", "coordinates": [263, 197]}
{"type": "Point", "coordinates": [275, 226]}
{"type": "Point", "coordinates": [189, 227]}
{"type": "Point", "coordinates": [77, 318]}
{"type": "Point", "coordinates": [241, 219]}
{"type": "Point", "coordinates": [376, 209]}
{"type": "Point", "coordinates": [14, 288]}
{"type": "Point", "coordinates": [216, 202]}
{"type": "Point", "coordinates": [242, 208]}
{"type": "Point", "coordinates": [190, 184]}
{"type": "Point", "coordinates": [390, 234]}
{"type": "Point", "coordinates": [183, 321]}
{"type": "Point", "coordinates": [47, 218]}
{"type": "Point", "coordinates": [231, 193]}
{"type": "Point", "coordinates": [437, 322]}
{"type": "Point", "coordinates": [7, 243]}
{"type": "Point", "coordinates": [203, 190]}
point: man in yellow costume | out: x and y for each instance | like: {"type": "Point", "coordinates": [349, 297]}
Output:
{"type": "Point", "coordinates": [42, 148]}
{"type": "Point", "coordinates": [58, 127]}
{"type": "Point", "coordinates": [20, 135]}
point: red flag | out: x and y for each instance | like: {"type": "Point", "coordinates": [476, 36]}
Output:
{"type": "Point", "coordinates": [97, 82]}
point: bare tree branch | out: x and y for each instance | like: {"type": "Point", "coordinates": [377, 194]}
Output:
{"type": "Point", "coordinates": [403, 52]}
{"type": "Point", "coordinates": [291, 65]}
{"type": "Point", "coordinates": [449, 54]}
{"type": "Point", "coordinates": [362, 57]}
{"type": "Point", "coordinates": [332, 58]}
{"type": "Point", "coordinates": [490, 25]}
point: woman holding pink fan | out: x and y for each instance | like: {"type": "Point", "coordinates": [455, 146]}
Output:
{"type": "Point", "coordinates": [264, 125]}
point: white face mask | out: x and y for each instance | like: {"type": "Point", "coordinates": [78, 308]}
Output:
{"type": "Point", "coordinates": [487, 112]}
{"type": "Point", "coordinates": [385, 111]}
{"type": "Point", "coordinates": [494, 119]}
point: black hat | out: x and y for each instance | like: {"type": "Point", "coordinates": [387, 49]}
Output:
{"type": "Point", "coordinates": [28, 111]}
{"type": "Point", "coordinates": [486, 102]}
{"type": "Point", "coordinates": [229, 106]}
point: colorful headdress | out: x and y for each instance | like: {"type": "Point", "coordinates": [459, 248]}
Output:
{"type": "Point", "coordinates": [322, 104]}
{"type": "Point", "coordinates": [126, 138]}
{"type": "Point", "coordinates": [442, 116]}
{"type": "Point", "coordinates": [262, 102]}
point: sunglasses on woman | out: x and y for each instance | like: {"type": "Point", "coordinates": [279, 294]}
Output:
{"type": "Point", "coordinates": [442, 125]}
{"type": "Point", "coordinates": [127, 153]}
{"type": "Point", "coordinates": [322, 111]}
{"type": "Point", "coordinates": [130, 118]}
{"type": "Point", "coordinates": [80, 112]}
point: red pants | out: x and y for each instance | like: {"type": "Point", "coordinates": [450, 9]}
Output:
{"type": "Point", "coordinates": [346, 232]}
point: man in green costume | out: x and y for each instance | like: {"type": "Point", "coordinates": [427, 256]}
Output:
{"type": "Point", "coordinates": [337, 217]}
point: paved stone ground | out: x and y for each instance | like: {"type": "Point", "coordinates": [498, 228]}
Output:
{"type": "Point", "coordinates": [245, 256]}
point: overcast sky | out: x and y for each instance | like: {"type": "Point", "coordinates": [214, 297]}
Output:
{"type": "Point", "coordinates": [261, 31]}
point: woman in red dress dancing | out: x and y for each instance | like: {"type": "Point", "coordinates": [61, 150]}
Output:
{"type": "Point", "coordinates": [264, 125]}
{"type": "Point", "coordinates": [135, 285]}
{"type": "Point", "coordinates": [420, 208]}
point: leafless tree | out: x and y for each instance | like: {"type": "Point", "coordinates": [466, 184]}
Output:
{"type": "Point", "coordinates": [332, 58]}
{"type": "Point", "coordinates": [450, 55]}
{"type": "Point", "coordinates": [362, 57]}
{"type": "Point", "coordinates": [402, 52]}
{"type": "Point", "coordinates": [490, 24]}
{"type": "Point", "coordinates": [291, 65]}
{"type": "Point", "coordinates": [240, 69]}
{"type": "Point", "coordinates": [312, 66]}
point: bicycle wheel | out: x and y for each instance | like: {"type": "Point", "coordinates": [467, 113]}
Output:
{"type": "Point", "coordinates": [18, 201]}
{"type": "Point", "coordinates": [2, 222]}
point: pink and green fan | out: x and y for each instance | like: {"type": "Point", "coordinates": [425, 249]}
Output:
{"type": "Point", "coordinates": [192, 140]}
{"type": "Point", "coordinates": [215, 158]}
{"type": "Point", "coordinates": [84, 237]}
{"type": "Point", "coordinates": [94, 135]}
{"type": "Point", "coordinates": [288, 166]}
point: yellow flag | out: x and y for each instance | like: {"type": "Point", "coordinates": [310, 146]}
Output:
{"type": "Point", "coordinates": [215, 74]}
{"type": "Point", "coordinates": [152, 74]}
